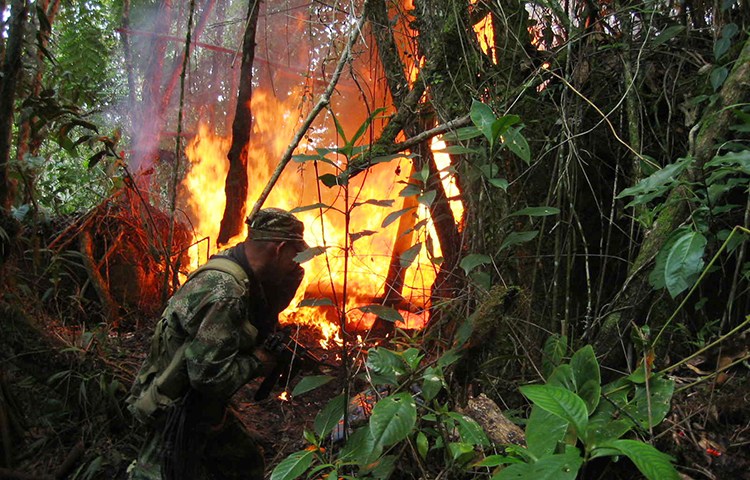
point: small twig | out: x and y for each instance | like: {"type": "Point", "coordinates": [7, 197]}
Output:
{"type": "Point", "coordinates": [325, 98]}
{"type": "Point", "coordinates": [713, 374]}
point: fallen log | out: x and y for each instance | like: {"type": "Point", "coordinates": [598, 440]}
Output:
{"type": "Point", "coordinates": [499, 429]}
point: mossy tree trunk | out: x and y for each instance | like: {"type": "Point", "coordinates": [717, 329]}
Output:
{"type": "Point", "coordinates": [637, 297]}
{"type": "Point", "coordinates": [237, 183]}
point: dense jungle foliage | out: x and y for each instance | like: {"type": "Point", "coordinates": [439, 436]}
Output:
{"type": "Point", "coordinates": [593, 288]}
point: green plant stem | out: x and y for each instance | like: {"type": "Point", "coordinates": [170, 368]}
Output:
{"type": "Point", "coordinates": [698, 282]}
{"type": "Point", "coordinates": [707, 347]}
{"type": "Point", "coordinates": [710, 376]}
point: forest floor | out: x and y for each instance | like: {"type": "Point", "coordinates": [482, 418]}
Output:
{"type": "Point", "coordinates": [58, 428]}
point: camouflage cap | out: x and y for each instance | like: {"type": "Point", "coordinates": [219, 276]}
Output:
{"type": "Point", "coordinates": [276, 225]}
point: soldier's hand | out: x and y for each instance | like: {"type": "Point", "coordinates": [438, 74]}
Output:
{"type": "Point", "coordinates": [268, 361]}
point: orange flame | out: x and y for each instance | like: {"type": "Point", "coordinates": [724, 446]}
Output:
{"type": "Point", "coordinates": [369, 254]}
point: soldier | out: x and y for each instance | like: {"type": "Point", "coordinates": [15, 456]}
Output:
{"type": "Point", "coordinates": [204, 350]}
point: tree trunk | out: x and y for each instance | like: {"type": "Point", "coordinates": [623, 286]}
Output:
{"type": "Point", "coordinates": [636, 296]}
{"type": "Point", "coordinates": [28, 143]}
{"type": "Point", "coordinates": [11, 70]}
{"type": "Point", "coordinates": [237, 182]}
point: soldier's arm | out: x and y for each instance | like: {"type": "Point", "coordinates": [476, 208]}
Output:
{"type": "Point", "coordinates": [219, 359]}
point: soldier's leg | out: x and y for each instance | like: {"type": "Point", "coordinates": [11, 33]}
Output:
{"type": "Point", "coordinates": [232, 453]}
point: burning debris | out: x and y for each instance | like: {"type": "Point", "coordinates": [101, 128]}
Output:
{"type": "Point", "coordinates": [124, 247]}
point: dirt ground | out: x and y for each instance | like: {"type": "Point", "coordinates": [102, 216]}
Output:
{"type": "Point", "coordinates": [707, 431]}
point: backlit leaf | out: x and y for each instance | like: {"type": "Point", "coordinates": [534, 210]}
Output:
{"type": "Point", "coordinates": [393, 216]}
{"type": "Point", "coordinates": [316, 302]}
{"type": "Point", "coordinates": [310, 383]}
{"type": "Point", "coordinates": [309, 254]}
{"type": "Point", "coordinates": [386, 313]}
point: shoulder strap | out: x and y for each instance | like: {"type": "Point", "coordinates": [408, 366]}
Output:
{"type": "Point", "coordinates": [225, 265]}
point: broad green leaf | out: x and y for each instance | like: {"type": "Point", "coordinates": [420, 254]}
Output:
{"type": "Point", "coordinates": [293, 466]}
{"type": "Point", "coordinates": [668, 34]}
{"type": "Point", "coordinates": [448, 358]}
{"type": "Point", "coordinates": [457, 150]}
{"type": "Point", "coordinates": [408, 257]}
{"type": "Point", "coordinates": [717, 77]}
{"type": "Point", "coordinates": [517, 144]}
{"type": "Point", "coordinates": [656, 277]}
{"type": "Point", "coordinates": [410, 190]}
{"type": "Point", "coordinates": [329, 416]}
{"type": "Point", "coordinates": [501, 125]}
{"type": "Point", "coordinates": [329, 180]}
{"type": "Point", "coordinates": [393, 216]}
{"type": "Point", "coordinates": [473, 260]}
{"type": "Point", "coordinates": [316, 302]}
{"type": "Point", "coordinates": [536, 211]}
{"type": "Point", "coordinates": [562, 466]}
{"type": "Point", "coordinates": [386, 313]}
{"type": "Point", "coordinates": [587, 376]}
{"type": "Point", "coordinates": [553, 352]}
{"type": "Point", "coordinates": [481, 280]}
{"type": "Point", "coordinates": [432, 382]}
{"type": "Point", "coordinates": [393, 419]}
{"type": "Point", "coordinates": [426, 198]}
{"type": "Point", "coordinates": [465, 133]}
{"type": "Point", "coordinates": [498, 182]}
{"type": "Point", "coordinates": [483, 117]}
{"type": "Point", "coordinates": [684, 262]}
{"type": "Point", "coordinates": [659, 180]}
{"type": "Point", "coordinates": [385, 362]}
{"type": "Point", "coordinates": [515, 238]}
{"type": "Point", "coordinates": [544, 431]}
{"type": "Point", "coordinates": [652, 463]}
{"type": "Point", "coordinates": [721, 46]}
{"type": "Point", "coordinates": [423, 445]}
{"type": "Point", "coordinates": [469, 430]}
{"type": "Point", "coordinates": [310, 383]}
{"type": "Point", "coordinates": [361, 447]}
{"type": "Point", "coordinates": [562, 376]}
{"type": "Point", "coordinates": [380, 469]}
{"type": "Point", "coordinates": [561, 402]}
{"type": "Point", "coordinates": [309, 254]}
{"type": "Point", "coordinates": [461, 452]}
{"type": "Point", "coordinates": [641, 406]}
{"type": "Point", "coordinates": [412, 357]}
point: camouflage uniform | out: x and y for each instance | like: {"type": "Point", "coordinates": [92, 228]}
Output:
{"type": "Point", "coordinates": [201, 354]}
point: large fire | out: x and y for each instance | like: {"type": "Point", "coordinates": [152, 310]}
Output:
{"type": "Point", "coordinates": [274, 122]}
